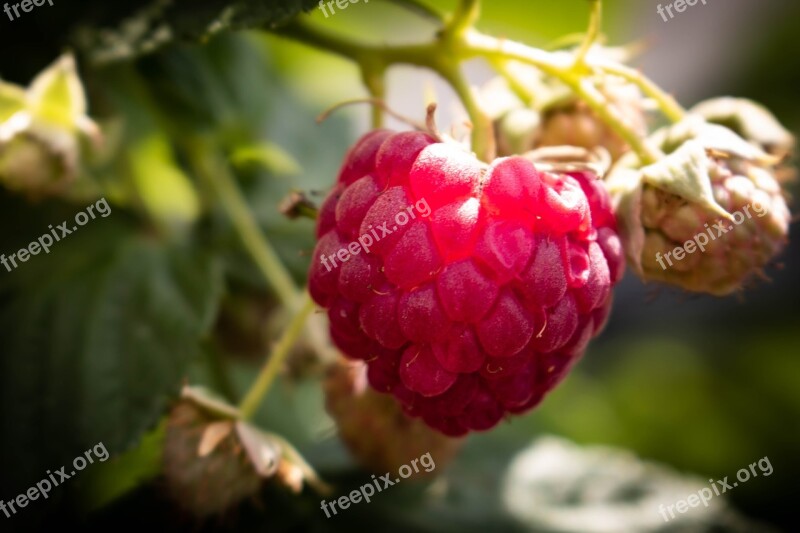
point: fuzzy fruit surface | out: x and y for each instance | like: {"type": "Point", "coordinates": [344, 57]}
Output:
{"type": "Point", "coordinates": [478, 309]}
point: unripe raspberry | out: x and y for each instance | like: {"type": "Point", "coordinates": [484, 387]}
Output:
{"type": "Point", "coordinates": [375, 428]}
{"type": "Point", "coordinates": [468, 289]}
{"type": "Point", "coordinates": [208, 485]}
{"type": "Point", "coordinates": [736, 249]}
{"type": "Point", "coordinates": [43, 131]}
{"type": "Point", "coordinates": [576, 124]}
{"type": "Point", "coordinates": [704, 222]}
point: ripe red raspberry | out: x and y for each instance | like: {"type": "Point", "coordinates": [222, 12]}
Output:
{"type": "Point", "coordinates": [469, 289]}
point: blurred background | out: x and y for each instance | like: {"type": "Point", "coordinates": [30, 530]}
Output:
{"type": "Point", "coordinates": [702, 386]}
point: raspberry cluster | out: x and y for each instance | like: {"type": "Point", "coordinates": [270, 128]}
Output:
{"type": "Point", "coordinates": [480, 308]}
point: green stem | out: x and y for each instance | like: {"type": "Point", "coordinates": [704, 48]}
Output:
{"type": "Point", "coordinates": [561, 67]}
{"type": "Point", "coordinates": [483, 141]}
{"type": "Point", "coordinates": [668, 105]}
{"type": "Point", "coordinates": [609, 114]}
{"type": "Point", "coordinates": [277, 358]}
{"type": "Point", "coordinates": [595, 22]}
{"type": "Point", "coordinates": [520, 89]}
{"type": "Point", "coordinates": [374, 80]}
{"type": "Point", "coordinates": [215, 171]}
{"type": "Point", "coordinates": [459, 43]}
{"type": "Point", "coordinates": [219, 177]}
{"type": "Point", "coordinates": [463, 18]}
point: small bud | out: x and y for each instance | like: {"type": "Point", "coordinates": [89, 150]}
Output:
{"type": "Point", "coordinates": [213, 461]}
{"type": "Point", "coordinates": [205, 480]}
{"type": "Point", "coordinates": [42, 131]}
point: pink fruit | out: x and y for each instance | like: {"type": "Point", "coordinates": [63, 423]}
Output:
{"type": "Point", "coordinates": [468, 289]}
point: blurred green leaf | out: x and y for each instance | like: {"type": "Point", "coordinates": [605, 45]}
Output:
{"type": "Point", "coordinates": [98, 336]}
{"type": "Point", "coordinates": [159, 23]}
{"type": "Point", "coordinates": [113, 479]}
{"type": "Point", "coordinates": [57, 96]}
{"type": "Point", "coordinates": [165, 189]}
{"type": "Point", "coordinates": [268, 155]}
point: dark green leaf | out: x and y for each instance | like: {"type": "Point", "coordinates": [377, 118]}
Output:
{"type": "Point", "coordinates": [97, 338]}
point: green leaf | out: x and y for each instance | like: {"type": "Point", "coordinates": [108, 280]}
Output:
{"type": "Point", "coordinates": [711, 137]}
{"type": "Point", "coordinates": [747, 118]}
{"type": "Point", "coordinates": [57, 96]}
{"type": "Point", "coordinates": [163, 187]}
{"type": "Point", "coordinates": [269, 155]}
{"type": "Point", "coordinates": [685, 173]}
{"type": "Point", "coordinates": [160, 23]}
{"type": "Point", "coordinates": [113, 479]}
{"type": "Point", "coordinates": [97, 336]}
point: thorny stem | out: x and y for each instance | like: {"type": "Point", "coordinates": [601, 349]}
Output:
{"type": "Point", "coordinates": [561, 66]}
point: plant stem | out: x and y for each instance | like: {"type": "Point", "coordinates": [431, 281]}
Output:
{"type": "Point", "coordinates": [584, 88]}
{"type": "Point", "coordinates": [219, 177]}
{"type": "Point", "coordinates": [483, 141]}
{"type": "Point", "coordinates": [374, 80]}
{"type": "Point", "coordinates": [525, 95]}
{"type": "Point", "coordinates": [595, 22]}
{"type": "Point", "coordinates": [668, 105]}
{"type": "Point", "coordinates": [560, 66]}
{"type": "Point", "coordinates": [269, 371]}
{"type": "Point", "coordinates": [463, 18]}
{"type": "Point", "coordinates": [459, 42]}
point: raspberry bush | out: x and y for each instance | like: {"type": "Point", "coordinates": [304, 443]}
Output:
{"type": "Point", "coordinates": [250, 331]}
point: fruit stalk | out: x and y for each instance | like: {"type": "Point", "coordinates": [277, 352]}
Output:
{"type": "Point", "coordinates": [269, 372]}
{"type": "Point", "coordinates": [217, 175]}
{"type": "Point", "coordinates": [595, 22]}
